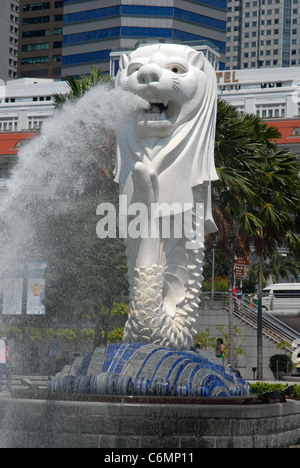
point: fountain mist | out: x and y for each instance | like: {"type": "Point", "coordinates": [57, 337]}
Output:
{"type": "Point", "coordinates": [54, 164]}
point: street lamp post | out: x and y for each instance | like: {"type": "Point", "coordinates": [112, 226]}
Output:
{"type": "Point", "coordinates": [213, 279]}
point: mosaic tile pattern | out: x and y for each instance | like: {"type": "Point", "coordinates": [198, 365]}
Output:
{"type": "Point", "coordinates": [147, 369]}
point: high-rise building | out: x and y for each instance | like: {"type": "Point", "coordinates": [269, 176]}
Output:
{"type": "Point", "coordinates": [262, 34]}
{"type": "Point", "coordinates": [40, 38]}
{"type": "Point", "coordinates": [9, 22]}
{"type": "Point", "coordinates": [93, 28]}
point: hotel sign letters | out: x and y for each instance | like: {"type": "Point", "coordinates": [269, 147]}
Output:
{"type": "Point", "coordinates": [226, 77]}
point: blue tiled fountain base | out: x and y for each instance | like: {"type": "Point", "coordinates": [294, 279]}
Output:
{"type": "Point", "coordinates": [146, 369]}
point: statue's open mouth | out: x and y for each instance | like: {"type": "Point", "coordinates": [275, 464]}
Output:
{"type": "Point", "coordinates": [157, 107]}
{"type": "Point", "coordinates": [155, 119]}
{"type": "Point", "coordinates": [156, 110]}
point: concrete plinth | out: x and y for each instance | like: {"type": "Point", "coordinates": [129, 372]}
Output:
{"type": "Point", "coordinates": [30, 423]}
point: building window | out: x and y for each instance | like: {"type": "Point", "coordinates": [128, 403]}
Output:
{"type": "Point", "coordinates": [37, 33]}
{"type": "Point", "coordinates": [28, 60]}
{"type": "Point", "coordinates": [36, 6]}
{"type": "Point", "coordinates": [36, 20]}
{"type": "Point", "coordinates": [8, 126]}
{"type": "Point", "coordinates": [30, 47]}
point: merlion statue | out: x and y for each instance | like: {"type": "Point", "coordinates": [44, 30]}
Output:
{"type": "Point", "coordinates": [167, 164]}
{"type": "Point", "coordinates": [165, 167]}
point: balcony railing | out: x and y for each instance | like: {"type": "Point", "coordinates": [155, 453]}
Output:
{"type": "Point", "coordinates": [246, 310]}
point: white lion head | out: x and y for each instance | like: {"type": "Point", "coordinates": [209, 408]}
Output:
{"type": "Point", "coordinates": [171, 78]}
{"type": "Point", "coordinates": [175, 129]}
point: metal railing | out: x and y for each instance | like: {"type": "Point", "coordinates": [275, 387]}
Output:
{"type": "Point", "coordinates": [246, 310]}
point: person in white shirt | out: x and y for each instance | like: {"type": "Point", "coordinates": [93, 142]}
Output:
{"type": "Point", "coordinates": [5, 364]}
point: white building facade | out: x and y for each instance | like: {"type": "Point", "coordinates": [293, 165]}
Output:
{"type": "Point", "coordinates": [26, 102]}
{"type": "Point", "coordinates": [268, 93]}
{"type": "Point", "coordinates": [271, 94]}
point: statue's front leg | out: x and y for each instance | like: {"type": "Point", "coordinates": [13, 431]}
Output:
{"type": "Point", "coordinates": [146, 189]}
{"type": "Point", "coordinates": [164, 276]}
{"type": "Point", "coordinates": [146, 299]}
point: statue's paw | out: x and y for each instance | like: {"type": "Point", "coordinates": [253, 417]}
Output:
{"type": "Point", "coordinates": [145, 183]}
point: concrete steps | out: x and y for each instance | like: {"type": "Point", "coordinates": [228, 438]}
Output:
{"type": "Point", "coordinates": [23, 381]}
{"type": "Point", "coordinates": [297, 445]}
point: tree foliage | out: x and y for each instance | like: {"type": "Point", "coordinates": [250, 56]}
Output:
{"type": "Point", "coordinates": [80, 85]}
{"type": "Point", "coordinates": [85, 275]}
{"type": "Point", "coordinates": [257, 198]}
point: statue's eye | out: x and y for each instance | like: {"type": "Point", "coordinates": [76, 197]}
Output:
{"type": "Point", "coordinates": [133, 67]}
{"type": "Point", "coordinates": [178, 69]}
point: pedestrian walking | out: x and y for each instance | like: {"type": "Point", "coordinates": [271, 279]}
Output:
{"type": "Point", "coordinates": [220, 349]}
{"type": "Point", "coordinates": [297, 362]}
{"type": "Point", "coordinates": [6, 364]}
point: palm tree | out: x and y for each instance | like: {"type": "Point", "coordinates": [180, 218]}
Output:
{"type": "Point", "coordinates": [269, 220]}
{"type": "Point", "coordinates": [240, 140]}
{"type": "Point", "coordinates": [79, 86]}
{"type": "Point", "coordinates": [279, 265]}
{"type": "Point", "coordinates": [257, 196]}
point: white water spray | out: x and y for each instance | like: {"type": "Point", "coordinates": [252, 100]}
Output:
{"type": "Point", "coordinates": [54, 164]}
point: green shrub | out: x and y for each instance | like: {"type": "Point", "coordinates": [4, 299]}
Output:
{"type": "Point", "coordinates": [116, 335]}
{"type": "Point", "coordinates": [284, 362]}
{"type": "Point", "coordinates": [262, 387]}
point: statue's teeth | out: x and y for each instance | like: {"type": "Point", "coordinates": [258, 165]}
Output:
{"type": "Point", "coordinates": [159, 101]}
{"type": "Point", "coordinates": [152, 117]}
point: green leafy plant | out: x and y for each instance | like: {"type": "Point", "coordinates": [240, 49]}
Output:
{"type": "Point", "coordinates": [208, 343]}
{"type": "Point", "coordinates": [220, 284]}
{"type": "Point", "coordinates": [204, 340]}
{"type": "Point", "coordinates": [284, 363]}
{"type": "Point", "coordinates": [261, 387]}
{"type": "Point", "coordinates": [116, 335]}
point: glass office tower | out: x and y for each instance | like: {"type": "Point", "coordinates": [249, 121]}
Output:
{"type": "Point", "coordinates": [93, 28]}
